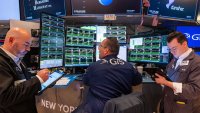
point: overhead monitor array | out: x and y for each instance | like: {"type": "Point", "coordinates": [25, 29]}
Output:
{"type": "Point", "coordinates": [171, 9]}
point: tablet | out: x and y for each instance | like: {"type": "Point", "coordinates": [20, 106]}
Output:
{"type": "Point", "coordinates": [53, 78]}
{"type": "Point", "coordinates": [152, 71]}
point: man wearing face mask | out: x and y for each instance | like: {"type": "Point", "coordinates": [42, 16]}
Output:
{"type": "Point", "coordinates": [17, 88]}
{"type": "Point", "coordinates": [182, 95]}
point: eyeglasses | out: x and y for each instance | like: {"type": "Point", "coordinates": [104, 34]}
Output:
{"type": "Point", "coordinates": [173, 48]}
{"type": "Point", "coordinates": [101, 46]}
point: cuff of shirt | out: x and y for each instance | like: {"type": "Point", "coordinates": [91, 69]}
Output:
{"type": "Point", "coordinates": [177, 87]}
{"type": "Point", "coordinates": [40, 79]}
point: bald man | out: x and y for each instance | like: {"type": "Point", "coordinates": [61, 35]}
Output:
{"type": "Point", "coordinates": [17, 88]}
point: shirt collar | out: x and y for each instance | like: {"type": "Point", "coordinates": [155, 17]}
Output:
{"type": "Point", "coordinates": [184, 55]}
{"type": "Point", "coordinates": [16, 59]}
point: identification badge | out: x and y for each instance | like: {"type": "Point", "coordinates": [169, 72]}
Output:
{"type": "Point", "coordinates": [184, 63]}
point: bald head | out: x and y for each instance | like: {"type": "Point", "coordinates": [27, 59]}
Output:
{"type": "Point", "coordinates": [17, 41]}
{"type": "Point", "coordinates": [17, 33]}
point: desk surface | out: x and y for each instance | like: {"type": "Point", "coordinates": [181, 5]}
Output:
{"type": "Point", "coordinates": [60, 100]}
{"type": "Point", "coordinates": [66, 99]}
{"type": "Point", "coordinates": [147, 80]}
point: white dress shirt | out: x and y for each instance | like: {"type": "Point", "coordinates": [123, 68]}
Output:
{"type": "Point", "coordinates": [178, 86]}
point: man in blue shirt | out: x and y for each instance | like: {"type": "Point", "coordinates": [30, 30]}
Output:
{"type": "Point", "coordinates": [107, 78]}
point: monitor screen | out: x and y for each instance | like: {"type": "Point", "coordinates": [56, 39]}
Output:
{"type": "Point", "coordinates": [148, 49]}
{"type": "Point", "coordinates": [76, 56]}
{"type": "Point", "coordinates": [79, 45]}
{"type": "Point", "coordinates": [82, 36]}
{"type": "Point", "coordinates": [33, 8]}
{"type": "Point", "coordinates": [51, 41]}
{"type": "Point", "coordinates": [178, 9]}
{"type": "Point", "coordinates": [122, 52]}
{"type": "Point", "coordinates": [192, 33]}
{"type": "Point", "coordinates": [111, 31]}
{"type": "Point", "coordinates": [120, 7]}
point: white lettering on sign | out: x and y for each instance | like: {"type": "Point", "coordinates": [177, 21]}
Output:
{"type": "Point", "coordinates": [48, 104]}
{"type": "Point", "coordinates": [58, 107]}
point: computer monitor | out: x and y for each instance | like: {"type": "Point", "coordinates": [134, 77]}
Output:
{"type": "Point", "coordinates": [177, 9]}
{"type": "Point", "coordinates": [122, 52]}
{"type": "Point", "coordinates": [148, 49]}
{"type": "Point", "coordinates": [76, 56]}
{"type": "Point", "coordinates": [99, 7]}
{"type": "Point", "coordinates": [192, 33]}
{"type": "Point", "coordinates": [33, 8]}
{"type": "Point", "coordinates": [51, 41]}
{"type": "Point", "coordinates": [111, 31]}
{"type": "Point", "coordinates": [80, 36]}
{"type": "Point", "coordinates": [79, 45]}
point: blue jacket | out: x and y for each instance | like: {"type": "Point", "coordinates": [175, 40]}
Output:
{"type": "Point", "coordinates": [107, 78]}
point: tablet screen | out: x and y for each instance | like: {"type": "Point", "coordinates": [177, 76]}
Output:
{"type": "Point", "coordinates": [52, 78]}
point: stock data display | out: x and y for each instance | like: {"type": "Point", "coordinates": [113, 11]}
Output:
{"type": "Point", "coordinates": [52, 41]}
{"type": "Point", "coordinates": [80, 36]}
{"type": "Point", "coordinates": [148, 49]}
{"type": "Point", "coordinates": [111, 31]}
{"type": "Point", "coordinates": [75, 56]}
{"type": "Point", "coordinates": [79, 45]}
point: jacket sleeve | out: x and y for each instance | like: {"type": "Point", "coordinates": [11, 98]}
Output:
{"type": "Point", "coordinates": [191, 88]}
{"type": "Point", "coordinates": [11, 94]}
{"type": "Point", "coordinates": [87, 75]}
{"type": "Point", "coordinates": [137, 78]}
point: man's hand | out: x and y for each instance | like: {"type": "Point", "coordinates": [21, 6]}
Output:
{"type": "Point", "coordinates": [43, 74]}
{"type": "Point", "coordinates": [160, 79]}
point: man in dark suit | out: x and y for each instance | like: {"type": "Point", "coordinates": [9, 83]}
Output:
{"type": "Point", "coordinates": [17, 88]}
{"type": "Point", "coordinates": [107, 78]}
{"type": "Point", "coordinates": [182, 95]}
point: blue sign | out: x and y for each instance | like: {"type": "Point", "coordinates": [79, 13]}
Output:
{"type": "Point", "coordinates": [192, 33]}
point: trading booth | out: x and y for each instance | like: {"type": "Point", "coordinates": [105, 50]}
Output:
{"type": "Point", "coordinates": [70, 32]}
